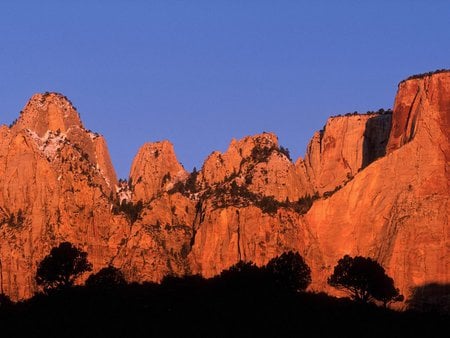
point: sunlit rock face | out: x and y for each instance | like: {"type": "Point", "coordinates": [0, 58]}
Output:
{"type": "Point", "coordinates": [56, 183]}
{"type": "Point", "coordinates": [393, 208]}
{"type": "Point", "coordinates": [345, 146]}
{"type": "Point", "coordinates": [259, 163]}
{"type": "Point", "coordinates": [396, 209]}
{"type": "Point", "coordinates": [155, 169]}
{"type": "Point", "coordinates": [375, 185]}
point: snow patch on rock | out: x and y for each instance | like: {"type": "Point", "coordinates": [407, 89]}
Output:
{"type": "Point", "coordinates": [51, 143]}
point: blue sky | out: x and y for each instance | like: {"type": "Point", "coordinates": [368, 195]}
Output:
{"type": "Point", "coordinates": [200, 73]}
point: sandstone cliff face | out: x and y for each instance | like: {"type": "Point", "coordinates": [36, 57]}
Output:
{"type": "Point", "coordinates": [416, 97]}
{"type": "Point", "coordinates": [155, 169]}
{"type": "Point", "coordinates": [393, 209]}
{"type": "Point", "coordinates": [259, 163]}
{"type": "Point", "coordinates": [246, 206]}
{"type": "Point", "coordinates": [249, 203]}
{"type": "Point", "coordinates": [345, 146]}
{"type": "Point", "coordinates": [396, 210]}
{"type": "Point", "coordinates": [55, 182]}
{"type": "Point", "coordinates": [159, 241]}
{"type": "Point", "coordinates": [224, 236]}
{"type": "Point", "coordinates": [52, 121]}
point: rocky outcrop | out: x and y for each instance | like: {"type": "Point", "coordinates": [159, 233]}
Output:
{"type": "Point", "coordinates": [48, 112]}
{"type": "Point", "coordinates": [260, 164]}
{"type": "Point", "coordinates": [346, 145]}
{"type": "Point", "coordinates": [159, 242]}
{"type": "Point", "coordinates": [155, 169]}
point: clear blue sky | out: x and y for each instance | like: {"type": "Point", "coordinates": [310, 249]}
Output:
{"type": "Point", "coordinates": [202, 72]}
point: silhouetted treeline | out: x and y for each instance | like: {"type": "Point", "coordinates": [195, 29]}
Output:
{"type": "Point", "coordinates": [244, 301]}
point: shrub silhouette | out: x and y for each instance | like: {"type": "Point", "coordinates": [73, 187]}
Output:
{"type": "Point", "coordinates": [290, 271]}
{"type": "Point", "coordinates": [59, 269]}
{"type": "Point", "coordinates": [108, 277]}
{"type": "Point", "coordinates": [364, 280]}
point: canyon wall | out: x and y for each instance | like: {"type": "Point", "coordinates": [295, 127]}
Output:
{"type": "Point", "coordinates": [375, 185]}
{"type": "Point", "coordinates": [396, 210]}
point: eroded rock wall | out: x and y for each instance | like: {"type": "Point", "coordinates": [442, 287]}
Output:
{"type": "Point", "coordinates": [363, 188]}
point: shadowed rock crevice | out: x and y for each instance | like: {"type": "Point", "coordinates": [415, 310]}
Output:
{"type": "Point", "coordinates": [376, 136]}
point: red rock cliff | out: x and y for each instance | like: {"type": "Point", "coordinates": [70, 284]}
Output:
{"type": "Point", "coordinates": [259, 163]}
{"type": "Point", "coordinates": [249, 203]}
{"type": "Point", "coordinates": [396, 210]}
{"type": "Point", "coordinates": [345, 146]}
{"type": "Point", "coordinates": [55, 182]}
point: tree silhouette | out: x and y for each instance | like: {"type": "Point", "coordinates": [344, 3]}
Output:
{"type": "Point", "coordinates": [60, 268]}
{"type": "Point", "coordinates": [107, 277]}
{"type": "Point", "coordinates": [386, 292]}
{"type": "Point", "coordinates": [244, 277]}
{"type": "Point", "coordinates": [241, 269]}
{"type": "Point", "coordinates": [364, 279]}
{"type": "Point", "coordinates": [290, 271]}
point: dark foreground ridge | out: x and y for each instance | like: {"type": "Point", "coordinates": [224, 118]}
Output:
{"type": "Point", "coordinates": [239, 303]}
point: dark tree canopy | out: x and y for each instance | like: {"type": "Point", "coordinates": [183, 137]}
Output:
{"type": "Point", "coordinates": [60, 268]}
{"type": "Point", "coordinates": [106, 277]}
{"type": "Point", "coordinates": [386, 292]}
{"type": "Point", "coordinates": [287, 272]}
{"type": "Point", "coordinates": [290, 271]}
{"type": "Point", "coordinates": [364, 279]}
{"type": "Point", "coordinates": [241, 269]}
{"type": "Point", "coordinates": [245, 276]}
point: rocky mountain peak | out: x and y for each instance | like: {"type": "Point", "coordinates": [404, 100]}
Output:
{"type": "Point", "coordinates": [218, 166]}
{"type": "Point", "coordinates": [258, 166]}
{"type": "Point", "coordinates": [155, 169]}
{"type": "Point", "coordinates": [51, 122]}
{"type": "Point", "coordinates": [48, 112]}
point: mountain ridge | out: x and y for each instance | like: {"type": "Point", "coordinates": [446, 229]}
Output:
{"type": "Point", "coordinates": [358, 190]}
